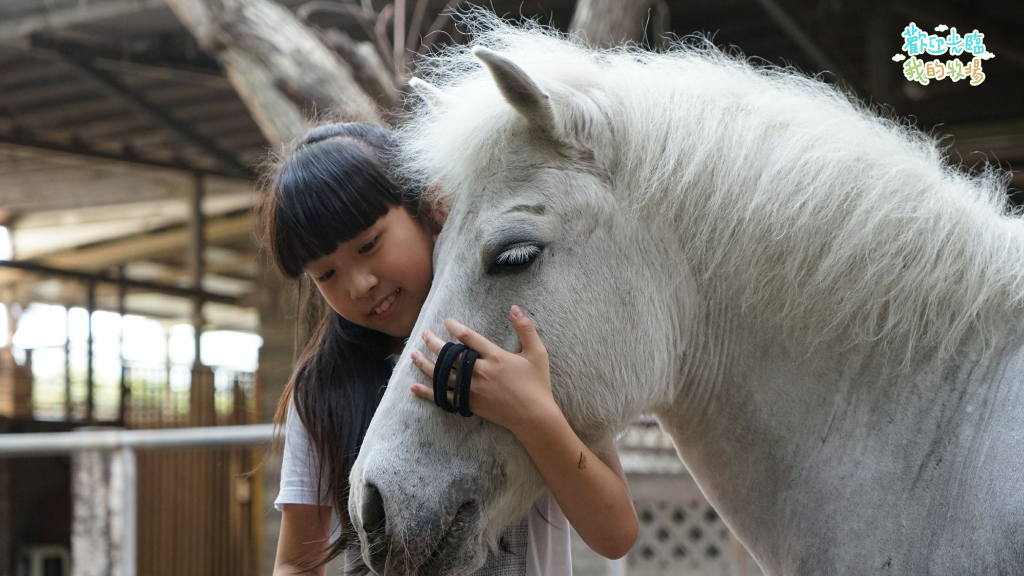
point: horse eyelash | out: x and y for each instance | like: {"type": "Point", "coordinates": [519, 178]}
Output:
{"type": "Point", "coordinates": [517, 255]}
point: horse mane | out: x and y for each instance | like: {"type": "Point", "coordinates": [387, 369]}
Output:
{"type": "Point", "coordinates": [823, 217]}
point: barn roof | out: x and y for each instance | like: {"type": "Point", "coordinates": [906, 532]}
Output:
{"type": "Point", "coordinates": [109, 111]}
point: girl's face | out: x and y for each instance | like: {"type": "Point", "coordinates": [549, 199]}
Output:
{"type": "Point", "coordinates": [380, 278]}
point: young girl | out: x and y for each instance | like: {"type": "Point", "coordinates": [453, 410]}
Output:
{"type": "Point", "coordinates": [336, 219]}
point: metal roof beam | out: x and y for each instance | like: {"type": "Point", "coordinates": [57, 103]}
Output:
{"type": "Point", "coordinates": [19, 138]}
{"type": "Point", "coordinates": [191, 293]}
{"type": "Point", "coordinates": [141, 247]}
{"type": "Point", "coordinates": [137, 101]}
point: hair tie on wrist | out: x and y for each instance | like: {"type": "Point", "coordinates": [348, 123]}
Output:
{"type": "Point", "coordinates": [442, 370]}
{"type": "Point", "coordinates": [463, 380]}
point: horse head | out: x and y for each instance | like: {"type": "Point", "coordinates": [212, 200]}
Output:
{"type": "Point", "coordinates": [537, 219]}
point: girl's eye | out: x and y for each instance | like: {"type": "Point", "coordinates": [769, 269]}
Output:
{"type": "Point", "coordinates": [369, 246]}
{"type": "Point", "coordinates": [517, 256]}
{"type": "Point", "coordinates": [325, 276]}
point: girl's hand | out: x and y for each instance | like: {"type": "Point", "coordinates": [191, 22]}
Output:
{"type": "Point", "coordinates": [507, 389]}
{"type": "Point", "coordinates": [514, 390]}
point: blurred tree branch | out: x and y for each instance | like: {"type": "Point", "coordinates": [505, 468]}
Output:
{"type": "Point", "coordinates": [287, 67]}
{"type": "Point", "coordinates": [612, 22]}
{"type": "Point", "coordinates": [242, 34]}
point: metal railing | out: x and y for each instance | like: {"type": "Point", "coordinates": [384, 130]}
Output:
{"type": "Point", "coordinates": [123, 444]}
{"type": "Point", "coordinates": [58, 443]}
{"type": "Point", "coordinates": [644, 449]}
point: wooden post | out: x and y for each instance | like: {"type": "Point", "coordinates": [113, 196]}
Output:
{"type": "Point", "coordinates": [124, 512]}
{"type": "Point", "coordinates": [197, 260]}
{"type": "Point", "coordinates": [15, 380]}
{"type": "Point", "coordinates": [6, 530]}
{"type": "Point", "coordinates": [122, 405]}
{"type": "Point", "coordinates": [12, 321]}
{"type": "Point", "coordinates": [90, 398]}
{"type": "Point", "coordinates": [275, 298]}
{"type": "Point", "coordinates": [103, 525]}
{"type": "Point", "coordinates": [167, 411]}
{"type": "Point", "coordinates": [69, 408]}
{"type": "Point", "coordinates": [90, 530]}
{"type": "Point", "coordinates": [201, 391]}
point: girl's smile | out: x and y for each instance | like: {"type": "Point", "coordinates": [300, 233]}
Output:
{"type": "Point", "coordinates": [388, 306]}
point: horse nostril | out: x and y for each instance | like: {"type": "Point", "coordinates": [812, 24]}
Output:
{"type": "Point", "coordinates": [464, 519]}
{"type": "Point", "coordinates": [441, 534]}
{"type": "Point", "coordinates": [375, 525]}
{"type": "Point", "coordinates": [466, 516]}
{"type": "Point", "coordinates": [373, 509]}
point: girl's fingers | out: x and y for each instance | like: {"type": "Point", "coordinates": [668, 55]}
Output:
{"type": "Point", "coordinates": [423, 363]}
{"type": "Point", "coordinates": [426, 392]}
{"type": "Point", "coordinates": [528, 335]}
{"type": "Point", "coordinates": [422, 391]}
{"type": "Point", "coordinates": [484, 347]}
{"type": "Point", "coordinates": [433, 343]}
{"type": "Point", "coordinates": [428, 366]}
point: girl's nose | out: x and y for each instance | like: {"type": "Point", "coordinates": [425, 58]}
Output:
{"type": "Point", "coordinates": [363, 281]}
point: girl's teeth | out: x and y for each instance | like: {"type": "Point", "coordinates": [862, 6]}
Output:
{"type": "Point", "coordinates": [387, 303]}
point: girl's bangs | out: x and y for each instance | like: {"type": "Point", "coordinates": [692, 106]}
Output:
{"type": "Point", "coordinates": [328, 193]}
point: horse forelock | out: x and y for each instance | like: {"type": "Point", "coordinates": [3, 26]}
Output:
{"type": "Point", "coordinates": [813, 213]}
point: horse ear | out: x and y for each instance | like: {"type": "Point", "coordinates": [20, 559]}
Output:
{"type": "Point", "coordinates": [431, 94]}
{"type": "Point", "coordinates": [521, 91]}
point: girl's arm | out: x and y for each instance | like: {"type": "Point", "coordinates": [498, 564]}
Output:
{"type": "Point", "coordinates": [305, 530]}
{"type": "Point", "coordinates": [589, 488]}
{"type": "Point", "coordinates": [514, 390]}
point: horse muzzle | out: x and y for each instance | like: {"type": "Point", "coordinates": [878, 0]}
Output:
{"type": "Point", "coordinates": [417, 536]}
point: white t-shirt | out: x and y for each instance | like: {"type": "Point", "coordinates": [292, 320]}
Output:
{"type": "Point", "coordinates": [548, 535]}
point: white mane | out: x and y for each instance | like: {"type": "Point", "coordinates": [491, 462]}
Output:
{"type": "Point", "coordinates": [798, 203]}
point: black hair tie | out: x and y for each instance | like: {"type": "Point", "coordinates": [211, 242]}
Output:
{"type": "Point", "coordinates": [462, 381]}
{"type": "Point", "coordinates": [443, 369]}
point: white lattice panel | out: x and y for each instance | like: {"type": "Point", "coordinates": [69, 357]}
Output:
{"type": "Point", "coordinates": [680, 533]}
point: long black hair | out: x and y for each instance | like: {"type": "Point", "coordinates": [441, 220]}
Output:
{"type": "Point", "coordinates": [334, 183]}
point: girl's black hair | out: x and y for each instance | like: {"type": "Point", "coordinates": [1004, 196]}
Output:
{"type": "Point", "coordinates": [335, 182]}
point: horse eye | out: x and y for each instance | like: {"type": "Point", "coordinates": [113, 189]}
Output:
{"type": "Point", "coordinates": [517, 256]}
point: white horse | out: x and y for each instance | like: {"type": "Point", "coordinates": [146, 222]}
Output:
{"type": "Point", "coordinates": [824, 315]}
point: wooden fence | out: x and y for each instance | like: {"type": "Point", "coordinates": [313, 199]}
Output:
{"type": "Point", "coordinates": [198, 514]}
